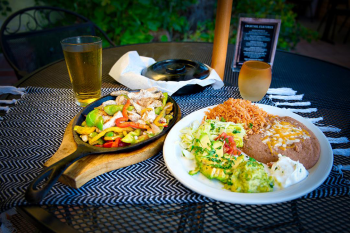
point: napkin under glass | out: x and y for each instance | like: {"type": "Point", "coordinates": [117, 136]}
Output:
{"type": "Point", "coordinates": [127, 71]}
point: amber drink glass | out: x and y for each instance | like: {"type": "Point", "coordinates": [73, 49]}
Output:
{"type": "Point", "coordinates": [83, 55]}
{"type": "Point", "coordinates": [254, 80]}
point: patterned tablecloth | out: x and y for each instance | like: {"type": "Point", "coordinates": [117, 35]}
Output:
{"type": "Point", "coordinates": [32, 131]}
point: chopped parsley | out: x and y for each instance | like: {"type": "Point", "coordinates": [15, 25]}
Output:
{"type": "Point", "coordinates": [212, 126]}
{"type": "Point", "coordinates": [235, 131]}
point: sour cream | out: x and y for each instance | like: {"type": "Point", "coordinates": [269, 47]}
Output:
{"type": "Point", "coordinates": [287, 172]}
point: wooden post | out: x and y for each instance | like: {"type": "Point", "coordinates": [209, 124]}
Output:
{"type": "Point", "coordinates": [222, 29]}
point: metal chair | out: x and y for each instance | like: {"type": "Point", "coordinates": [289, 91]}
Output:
{"type": "Point", "coordinates": [335, 8]}
{"type": "Point", "coordinates": [30, 38]}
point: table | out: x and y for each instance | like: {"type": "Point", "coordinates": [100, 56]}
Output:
{"type": "Point", "coordinates": [325, 85]}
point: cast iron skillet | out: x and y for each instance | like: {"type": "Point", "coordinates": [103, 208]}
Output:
{"type": "Point", "coordinates": [35, 194]}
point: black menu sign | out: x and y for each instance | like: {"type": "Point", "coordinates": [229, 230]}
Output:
{"type": "Point", "coordinates": [256, 40]}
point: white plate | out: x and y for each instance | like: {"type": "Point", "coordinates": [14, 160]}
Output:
{"type": "Point", "coordinates": [179, 166]}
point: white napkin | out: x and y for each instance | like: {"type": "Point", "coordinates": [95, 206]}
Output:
{"type": "Point", "coordinates": [127, 71]}
{"type": "Point", "coordinates": [12, 90]}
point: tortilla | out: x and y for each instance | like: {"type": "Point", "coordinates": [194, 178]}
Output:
{"type": "Point", "coordinates": [306, 151]}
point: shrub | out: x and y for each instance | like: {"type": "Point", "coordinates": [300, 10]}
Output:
{"type": "Point", "coordinates": [142, 21]}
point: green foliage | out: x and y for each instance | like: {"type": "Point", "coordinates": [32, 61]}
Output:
{"type": "Point", "coordinates": [133, 21]}
{"type": "Point", "coordinates": [5, 7]}
{"type": "Point", "coordinates": [291, 32]}
{"type": "Point", "coordinates": [142, 21]}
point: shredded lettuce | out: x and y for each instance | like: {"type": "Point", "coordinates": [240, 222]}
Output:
{"type": "Point", "coordinates": [213, 128]}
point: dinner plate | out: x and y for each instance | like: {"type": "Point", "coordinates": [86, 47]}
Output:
{"type": "Point", "coordinates": [180, 166]}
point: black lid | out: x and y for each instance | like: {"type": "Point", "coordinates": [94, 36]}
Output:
{"type": "Point", "coordinates": [176, 70]}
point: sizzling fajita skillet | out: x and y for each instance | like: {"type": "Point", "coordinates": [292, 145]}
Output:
{"type": "Point", "coordinates": [42, 184]}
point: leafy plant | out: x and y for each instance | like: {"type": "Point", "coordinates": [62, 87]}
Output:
{"type": "Point", "coordinates": [133, 21]}
{"type": "Point", "coordinates": [291, 32]}
{"type": "Point", "coordinates": [5, 7]}
{"type": "Point", "coordinates": [142, 21]}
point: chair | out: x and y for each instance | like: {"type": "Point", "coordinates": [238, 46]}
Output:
{"type": "Point", "coordinates": [335, 8]}
{"type": "Point", "coordinates": [30, 38]}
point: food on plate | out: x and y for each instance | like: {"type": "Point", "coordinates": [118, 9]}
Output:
{"type": "Point", "coordinates": [249, 150]}
{"type": "Point", "coordinates": [213, 146]}
{"type": "Point", "coordinates": [287, 172]}
{"type": "Point", "coordinates": [285, 136]}
{"type": "Point", "coordinates": [253, 118]}
{"type": "Point", "coordinates": [249, 176]}
{"type": "Point", "coordinates": [131, 118]}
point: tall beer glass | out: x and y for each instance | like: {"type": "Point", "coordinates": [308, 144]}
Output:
{"type": "Point", "coordinates": [83, 55]}
{"type": "Point", "coordinates": [254, 80]}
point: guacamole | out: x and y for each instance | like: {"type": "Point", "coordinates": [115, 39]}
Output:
{"type": "Point", "coordinates": [214, 145]}
{"type": "Point", "coordinates": [250, 177]}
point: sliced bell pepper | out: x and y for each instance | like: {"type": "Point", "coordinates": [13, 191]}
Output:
{"type": "Point", "coordinates": [84, 130]}
{"type": "Point", "coordinates": [94, 118]}
{"type": "Point", "coordinates": [108, 144]}
{"type": "Point", "coordinates": [158, 110]}
{"type": "Point", "coordinates": [165, 98]}
{"type": "Point", "coordinates": [142, 138]}
{"type": "Point", "coordinates": [168, 118]}
{"type": "Point", "coordinates": [114, 129]}
{"type": "Point", "coordinates": [112, 144]}
{"type": "Point", "coordinates": [144, 110]}
{"type": "Point", "coordinates": [100, 123]}
{"type": "Point", "coordinates": [110, 136]}
{"type": "Point", "coordinates": [98, 142]}
{"type": "Point", "coordinates": [125, 109]}
{"type": "Point", "coordinates": [118, 120]}
{"type": "Point", "coordinates": [113, 108]}
{"type": "Point", "coordinates": [161, 114]}
{"type": "Point", "coordinates": [136, 132]}
{"type": "Point", "coordinates": [129, 138]}
{"type": "Point", "coordinates": [131, 124]}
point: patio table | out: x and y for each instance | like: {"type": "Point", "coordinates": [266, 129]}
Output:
{"type": "Point", "coordinates": [320, 92]}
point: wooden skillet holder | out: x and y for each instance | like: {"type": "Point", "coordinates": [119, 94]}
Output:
{"type": "Point", "coordinates": [91, 166]}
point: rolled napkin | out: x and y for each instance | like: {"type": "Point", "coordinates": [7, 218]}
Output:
{"type": "Point", "coordinates": [127, 71]}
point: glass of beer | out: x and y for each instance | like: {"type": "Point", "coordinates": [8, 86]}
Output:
{"type": "Point", "coordinates": [254, 80]}
{"type": "Point", "coordinates": [83, 55]}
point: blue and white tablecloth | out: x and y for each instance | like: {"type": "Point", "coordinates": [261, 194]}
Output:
{"type": "Point", "coordinates": [32, 131]}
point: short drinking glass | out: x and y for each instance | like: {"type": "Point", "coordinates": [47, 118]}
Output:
{"type": "Point", "coordinates": [254, 80]}
{"type": "Point", "coordinates": [83, 55]}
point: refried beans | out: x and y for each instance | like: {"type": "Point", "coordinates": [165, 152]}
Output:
{"type": "Point", "coordinates": [306, 150]}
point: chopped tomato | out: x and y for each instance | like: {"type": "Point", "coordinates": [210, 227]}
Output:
{"type": "Point", "coordinates": [229, 144]}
